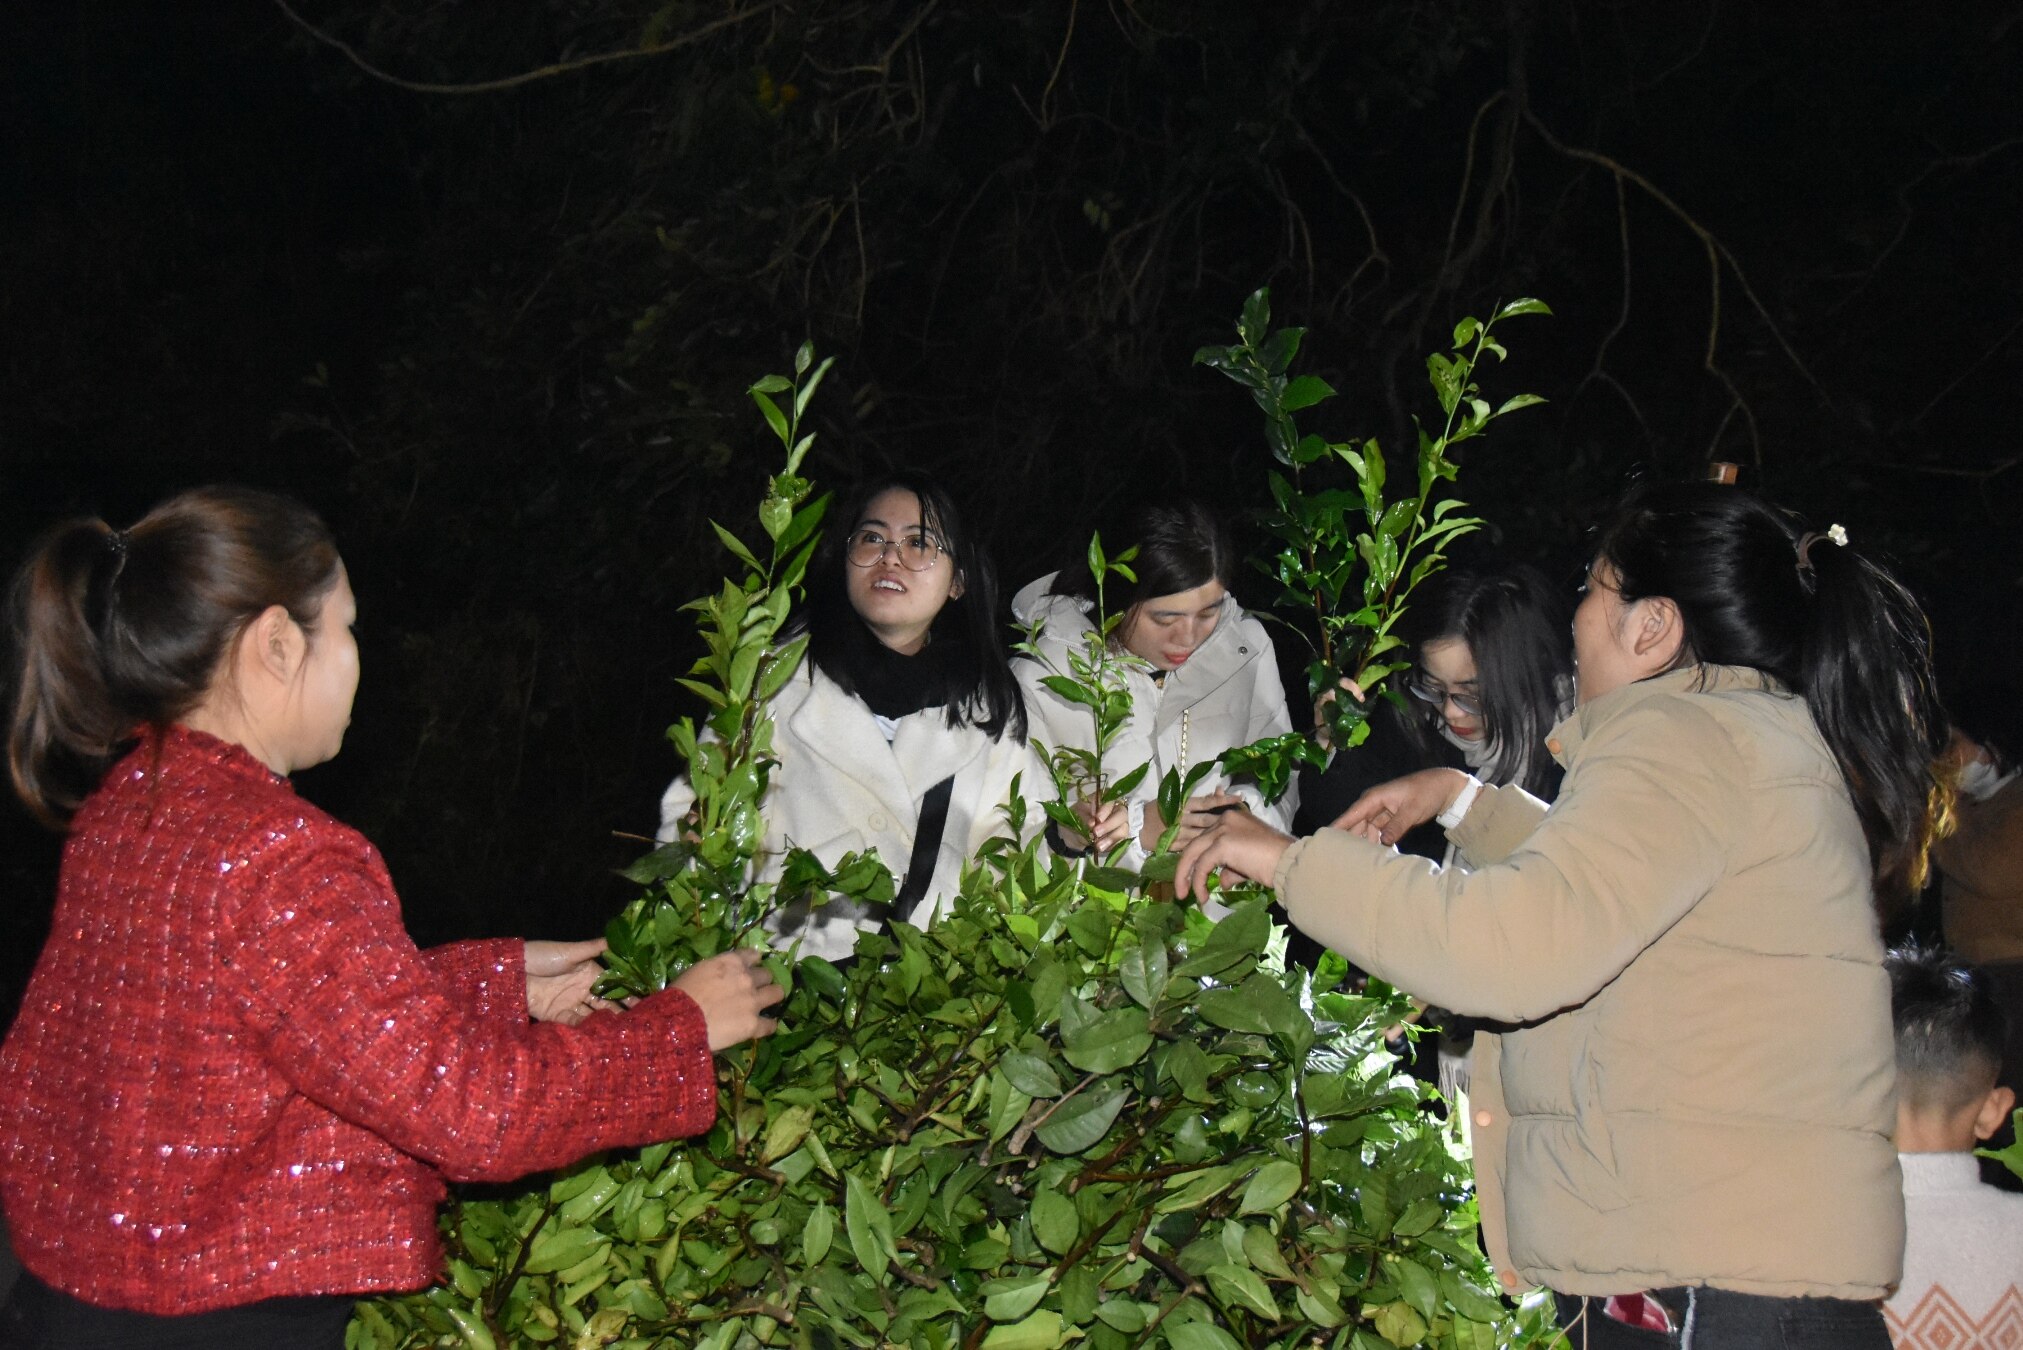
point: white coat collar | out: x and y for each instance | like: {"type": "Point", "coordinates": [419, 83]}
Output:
{"type": "Point", "coordinates": [839, 729]}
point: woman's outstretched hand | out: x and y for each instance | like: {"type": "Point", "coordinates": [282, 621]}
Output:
{"type": "Point", "coordinates": [733, 990]}
{"type": "Point", "coordinates": [1197, 814]}
{"type": "Point", "coordinates": [1384, 813]}
{"type": "Point", "coordinates": [559, 978]}
{"type": "Point", "coordinates": [1237, 843]}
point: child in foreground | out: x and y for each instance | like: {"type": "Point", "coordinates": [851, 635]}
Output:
{"type": "Point", "coordinates": [1963, 1242]}
{"type": "Point", "coordinates": [235, 1087]}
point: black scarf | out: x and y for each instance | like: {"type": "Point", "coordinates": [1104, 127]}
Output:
{"type": "Point", "coordinates": [890, 683]}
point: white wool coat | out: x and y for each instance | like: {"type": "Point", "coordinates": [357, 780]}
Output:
{"type": "Point", "coordinates": [1228, 694]}
{"type": "Point", "coordinates": [841, 788]}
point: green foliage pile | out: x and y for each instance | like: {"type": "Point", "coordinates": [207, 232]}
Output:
{"type": "Point", "coordinates": [1060, 1113]}
{"type": "Point", "coordinates": [1065, 1112]}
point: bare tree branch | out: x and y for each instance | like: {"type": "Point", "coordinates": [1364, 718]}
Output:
{"type": "Point", "coordinates": [1376, 255]}
{"type": "Point", "coordinates": [1597, 373]}
{"type": "Point", "coordinates": [1965, 371]}
{"type": "Point", "coordinates": [1047, 94]}
{"type": "Point", "coordinates": [350, 54]}
{"type": "Point", "coordinates": [1698, 49]}
{"type": "Point", "coordinates": [1908, 212]}
{"type": "Point", "coordinates": [1717, 256]}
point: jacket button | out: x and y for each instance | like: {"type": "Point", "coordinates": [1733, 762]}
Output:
{"type": "Point", "coordinates": [1243, 651]}
{"type": "Point", "coordinates": [876, 822]}
{"type": "Point", "coordinates": [1484, 1120]}
{"type": "Point", "coordinates": [1552, 744]}
{"type": "Point", "coordinates": [1507, 1278]}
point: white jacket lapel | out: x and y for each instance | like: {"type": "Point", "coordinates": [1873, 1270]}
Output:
{"type": "Point", "coordinates": [832, 726]}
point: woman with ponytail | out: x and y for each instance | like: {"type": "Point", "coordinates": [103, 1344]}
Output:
{"type": "Point", "coordinates": [1690, 1127]}
{"type": "Point", "coordinates": [234, 1087]}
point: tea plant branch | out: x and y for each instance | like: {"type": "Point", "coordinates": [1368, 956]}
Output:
{"type": "Point", "coordinates": [1155, 1174]}
{"type": "Point", "coordinates": [745, 1169]}
{"type": "Point", "coordinates": [1319, 553]}
{"type": "Point", "coordinates": [693, 36]}
{"type": "Point", "coordinates": [1024, 1133]}
{"type": "Point", "coordinates": [913, 1277]}
{"type": "Point", "coordinates": [496, 1295]}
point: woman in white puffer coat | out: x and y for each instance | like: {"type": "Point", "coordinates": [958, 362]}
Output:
{"type": "Point", "coordinates": [903, 731]}
{"type": "Point", "coordinates": [1206, 680]}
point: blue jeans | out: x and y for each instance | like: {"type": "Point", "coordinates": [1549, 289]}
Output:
{"type": "Point", "coordinates": [1720, 1319]}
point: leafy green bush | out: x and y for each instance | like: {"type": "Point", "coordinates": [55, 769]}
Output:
{"type": "Point", "coordinates": [1063, 1112]}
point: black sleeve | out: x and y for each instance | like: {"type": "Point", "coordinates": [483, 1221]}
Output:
{"type": "Point", "coordinates": [1389, 753]}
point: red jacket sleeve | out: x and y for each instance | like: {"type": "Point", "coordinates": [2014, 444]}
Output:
{"type": "Point", "coordinates": [490, 976]}
{"type": "Point", "coordinates": [348, 1010]}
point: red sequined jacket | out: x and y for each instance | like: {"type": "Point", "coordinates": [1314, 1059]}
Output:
{"type": "Point", "coordinates": [234, 1076]}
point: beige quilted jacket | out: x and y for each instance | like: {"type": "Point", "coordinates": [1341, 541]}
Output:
{"type": "Point", "coordinates": [1702, 1091]}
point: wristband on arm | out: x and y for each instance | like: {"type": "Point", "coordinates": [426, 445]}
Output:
{"type": "Point", "coordinates": [1455, 813]}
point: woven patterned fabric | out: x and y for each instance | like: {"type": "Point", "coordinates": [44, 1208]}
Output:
{"type": "Point", "coordinates": [1963, 1259]}
{"type": "Point", "coordinates": [1938, 1322]}
{"type": "Point", "coordinates": [234, 1076]}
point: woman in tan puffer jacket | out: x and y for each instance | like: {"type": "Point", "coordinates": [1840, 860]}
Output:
{"type": "Point", "coordinates": [1698, 1101]}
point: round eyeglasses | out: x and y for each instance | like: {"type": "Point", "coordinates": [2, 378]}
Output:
{"type": "Point", "coordinates": [917, 552]}
{"type": "Point", "coordinates": [1439, 695]}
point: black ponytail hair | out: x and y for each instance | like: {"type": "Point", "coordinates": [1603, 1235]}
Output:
{"type": "Point", "coordinates": [114, 630]}
{"type": "Point", "coordinates": [976, 682]}
{"type": "Point", "coordinates": [1756, 589]}
{"type": "Point", "coordinates": [1515, 625]}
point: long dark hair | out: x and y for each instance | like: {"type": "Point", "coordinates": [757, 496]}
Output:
{"type": "Point", "coordinates": [1181, 545]}
{"type": "Point", "coordinates": [1755, 588]}
{"type": "Point", "coordinates": [1515, 626]}
{"type": "Point", "coordinates": [114, 630]}
{"type": "Point", "coordinates": [976, 683]}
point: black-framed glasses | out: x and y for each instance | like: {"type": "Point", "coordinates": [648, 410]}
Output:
{"type": "Point", "coordinates": [917, 551]}
{"type": "Point", "coordinates": [1439, 695]}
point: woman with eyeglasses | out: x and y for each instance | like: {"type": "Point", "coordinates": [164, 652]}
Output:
{"type": "Point", "coordinates": [1695, 1102]}
{"type": "Point", "coordinates": [1491, 672]}
{"type": "Point", "coordinates": [1204, 678]}
{"type": "Point", "coordinates": [903, 729]}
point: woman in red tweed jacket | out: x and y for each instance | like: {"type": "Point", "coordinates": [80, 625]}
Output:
{"type": "Point", "coordinates": [235, 1086]}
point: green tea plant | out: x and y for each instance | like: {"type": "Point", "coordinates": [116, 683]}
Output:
{"type": "Point", "coordinates": [1354, 578]}
{"type": "Point", "coordinates": [2012, 1156]}
{"type": "Point", "coordinates": [703, 876]}
{"type": "Point", "coordinates": [1094, 680]}
{"type": "Point", "coordinates": [1061, 1113]}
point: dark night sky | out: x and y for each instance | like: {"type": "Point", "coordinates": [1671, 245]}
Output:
{"type": "Point", "coordinates": [534, 310]}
